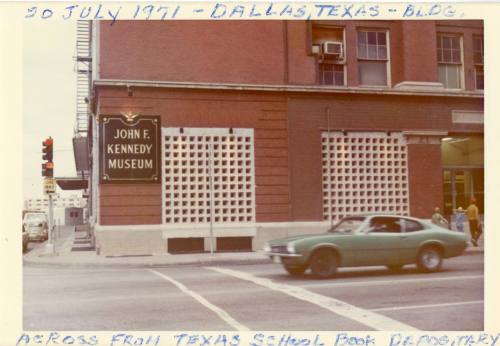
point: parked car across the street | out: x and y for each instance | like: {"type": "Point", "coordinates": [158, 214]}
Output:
{"type": "Point", "coordinates": [36, 225]}
{"type": "Point", "coordinates": [367, 240]}
{"type": "Point", "coordinates": [26, 240]}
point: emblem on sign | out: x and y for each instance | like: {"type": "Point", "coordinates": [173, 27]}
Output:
{"type": "Point", "coordinates": [129, 116]}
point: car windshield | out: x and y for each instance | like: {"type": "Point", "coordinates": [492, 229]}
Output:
{"type": "Point", "coordinates": [347, 225]}
{"type": "Point", "coordinates": [35, 217]}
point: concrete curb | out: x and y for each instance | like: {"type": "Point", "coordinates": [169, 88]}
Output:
{"type": "Point", "coordinates": [47, 262]}
{"type": "Point", "coordinates": [66, 261]}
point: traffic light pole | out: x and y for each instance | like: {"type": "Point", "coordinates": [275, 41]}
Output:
{"type": "Point", "coordinates": [51, 239]}
{"type": "Point", "coordinates": [49, 189]}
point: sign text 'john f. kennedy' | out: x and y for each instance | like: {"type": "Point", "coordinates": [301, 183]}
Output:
{"type": "Point", "coordinates": [130, 149]}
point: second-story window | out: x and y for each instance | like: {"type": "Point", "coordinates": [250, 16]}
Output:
{"type": "Point", "coordinates": [329, 47]}
{"type": "Point", "coordinates": [373, 57]}
{"type": "Point", "coordinates": [449, 52]}
{"type": "Point", "coordinates": [479, 61]}
{"type": "Point", "coordinates": [331, 74]}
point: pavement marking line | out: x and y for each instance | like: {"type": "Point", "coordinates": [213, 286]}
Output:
{"type": "Point", "coordinates": [397, 308]}
{"type": "Point", "coordinates": [392, 282]}
{"type": "Point", "coordinates": [366, 317]}
{"type": "Point", "coordinates": [222, 314]}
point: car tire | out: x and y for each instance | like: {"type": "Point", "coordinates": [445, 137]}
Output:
{"type": "Point", "coordinates": [323, 263]}
{"type": "Point", "coordinates": [429, 259]}
{"type": "Point", "coordinates": [295, 271]}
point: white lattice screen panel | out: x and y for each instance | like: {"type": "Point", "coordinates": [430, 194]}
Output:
{"type": "Point", "coordinates": [194, 157]}
{"type": "Point", "coordinates": [364, 172]}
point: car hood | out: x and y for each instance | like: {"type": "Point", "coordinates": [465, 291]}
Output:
{"type": "Point", "coordinates": [284, 241]}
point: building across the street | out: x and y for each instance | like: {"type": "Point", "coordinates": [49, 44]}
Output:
{"type": "Point", "coordinates": [42, 203]}
{"type": "Point", "coordinates": [243, 131]}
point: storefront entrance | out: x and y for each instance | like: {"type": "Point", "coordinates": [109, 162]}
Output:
{"type": "Point", "coordinates": [463, 172]}
{"type": "Point", "coordinates": [460, 185]}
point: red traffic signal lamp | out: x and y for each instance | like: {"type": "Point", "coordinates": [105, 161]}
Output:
{"type": "Point", "coordinates": [47, 149]}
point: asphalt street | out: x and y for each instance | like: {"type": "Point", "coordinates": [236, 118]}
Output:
{"type": "Point", "coordinates": [254, 297]}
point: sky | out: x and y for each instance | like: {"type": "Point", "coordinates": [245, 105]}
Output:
{"type": "Point", "coordinates": [49, 100]}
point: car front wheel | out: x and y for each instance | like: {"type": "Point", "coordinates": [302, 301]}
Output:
{"type": "Point", "coordinates": [323, 263]}
{"type": "Point", "coordinates": [429, 259]}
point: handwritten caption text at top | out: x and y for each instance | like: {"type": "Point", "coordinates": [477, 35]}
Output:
{"type": "Point", "coordinates": [259, 10]}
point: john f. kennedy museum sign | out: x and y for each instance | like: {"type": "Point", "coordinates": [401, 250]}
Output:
{"type": "Point", "coordinates": [130, 149]}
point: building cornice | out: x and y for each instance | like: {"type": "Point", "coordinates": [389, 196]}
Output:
{"type": "Point", "coordinates": [287, 88]}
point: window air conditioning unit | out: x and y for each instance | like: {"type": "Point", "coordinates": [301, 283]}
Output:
{"type": "Point", "coordinates": [333, 50]}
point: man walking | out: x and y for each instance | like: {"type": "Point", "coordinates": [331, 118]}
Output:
{"type": "Point", "coordinates": [473, 217]}
{"type": "Point", "coordinates": [438, 219]}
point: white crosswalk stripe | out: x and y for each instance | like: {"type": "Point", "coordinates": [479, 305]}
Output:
{"type": "Point", "coordinates": [397, 308]}
{"type": "Point", "coordinates": [366, 317]}
{"type": "Point", "coordinates": [222, 314]}
{"type": "Point", "coordinates": [365, 283]}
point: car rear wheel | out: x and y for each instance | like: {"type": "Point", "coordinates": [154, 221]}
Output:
{"type": "Point", "coordinates": [323, 263]}
{"type": "Point", "coordinates": [429, 259]}
{"type": "Point", "coordinates": [295, 271]}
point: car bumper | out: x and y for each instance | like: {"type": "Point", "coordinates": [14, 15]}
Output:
{"type": "Point", "coordinates": [287, 258]}
{"type": "Point", "coordinates": [37, 236]}
{"type": "Point", "coordinates": [453, 251]}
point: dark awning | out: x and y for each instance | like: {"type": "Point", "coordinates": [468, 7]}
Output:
{"type": "Point", "coordinates": [80, 149]}
{"type": "Point", "coordinates": [72, 183]}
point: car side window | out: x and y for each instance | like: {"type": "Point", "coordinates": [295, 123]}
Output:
{"type": "Point", "coordinates": [413, 226]}
{"type": "Point", "coordinates": [386, 225]}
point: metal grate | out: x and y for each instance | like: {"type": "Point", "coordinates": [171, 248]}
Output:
{"type": "Point", "coordinates": [364, 172]}
{"type": "Point", "coordinates": [208, 175]}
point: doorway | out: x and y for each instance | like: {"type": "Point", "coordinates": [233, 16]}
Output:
{"type": "Point", "coordinates": [463, 171]}
{"type": "Point", "coordinates": [460, 185]}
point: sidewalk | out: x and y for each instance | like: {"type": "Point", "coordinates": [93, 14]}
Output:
{"type": "Point", "coordinates": [68, 254]}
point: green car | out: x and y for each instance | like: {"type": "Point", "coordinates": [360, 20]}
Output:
{"type": "Point", "coordinates": [367, 240]}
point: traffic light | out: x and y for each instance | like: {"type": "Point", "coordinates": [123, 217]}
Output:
{"type": "Point", "coordinates": [47, 150]}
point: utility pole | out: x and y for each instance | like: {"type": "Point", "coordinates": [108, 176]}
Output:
{"type": "Point", "coordinates": [210, 177]}
{"type": "Point", "coordinates": [49, 187]}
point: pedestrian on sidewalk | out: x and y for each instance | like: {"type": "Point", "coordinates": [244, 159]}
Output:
{"type": "Point", "coordinates": [473, 217]}
{"type": "Point", "coordinates": [438, 219]}
{"type": "Point", "coordinates": [459, 217]}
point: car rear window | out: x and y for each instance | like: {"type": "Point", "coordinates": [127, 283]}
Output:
{"type": "Point", "coordinates": [413, 226]}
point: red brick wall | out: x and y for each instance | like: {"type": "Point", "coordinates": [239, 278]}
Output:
{"type": "Point", "coordinates": [419, 53]}
{"type": "Point", "coordinates": [425, 179]}
{"type": "Point", "coordinates": [130, 204]}
{"type": "Point", "coordinates": [201, 51]}
{"type": "Point", "coordinates": [265, 52]}
{"type": "Point", "coordinates": [266, 113]}
{"type": "Point", "coordinates": [307, 118]}
{"type": "Point", "coordinates": [301, 65]}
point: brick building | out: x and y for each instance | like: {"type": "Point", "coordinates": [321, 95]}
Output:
{"type": "Point", "coordinates": [270, 128]}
